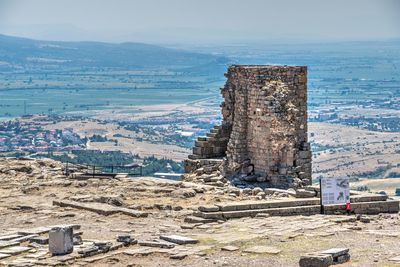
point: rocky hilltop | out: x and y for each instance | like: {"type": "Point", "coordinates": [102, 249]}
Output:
{"type": "Point", "coordinates": [145, 221]}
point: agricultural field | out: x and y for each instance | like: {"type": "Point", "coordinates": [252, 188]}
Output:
{"type": "Point", "coordinates": [88, 100]}
{"type": "Point", "coordinates": [369, 158]}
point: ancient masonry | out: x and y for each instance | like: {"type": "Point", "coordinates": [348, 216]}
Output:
{"type": "Point", "coordinates": [263, 135]}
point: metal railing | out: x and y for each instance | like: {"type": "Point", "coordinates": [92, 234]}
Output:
{"type": "Point", "coordinates": [103, 170]}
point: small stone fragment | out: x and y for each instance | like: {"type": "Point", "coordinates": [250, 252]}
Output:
{"type": "Point", "coordinates": [189, 226]}
{"type": "Point", "coordinates": [39, 240]}
{"type": "Point", "coordinates": [396, 259]}
{"type": "Point", "coordinates": [262, 250]}
{"type": "Point", "coordinates": [3, 256]}
{"type": "Point", "coordinates": [157, 243]}
{"type": "Point", "coordinates": [103, 245]}
{"type": "Point", "coordinates": [14, 250]}
{"type": "Point", "coordinates": [262, 215]}
{"type": "Point", "coordinates": [89, 251]}
{"type": "Point", "coordinates": [336, 252]}
{"type": "Point", "coordinates": [179, 256]}
{"type": "Point", "coordinates": [210, 208]}
{"type": "Point", "coordinates": [183, 193]}
{"type": "Point", "coordinates": [177, 239]}
{"type": "Point", "coordinates": [365, 219]}
{"type": "Point", "coordinates": [126, 239]}
{"type": "Point", "coordinates": [230, 248]}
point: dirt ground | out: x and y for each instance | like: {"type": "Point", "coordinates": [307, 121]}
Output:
{"type": "Point", "coordinates": [27, 196]}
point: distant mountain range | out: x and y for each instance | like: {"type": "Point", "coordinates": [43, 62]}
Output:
{"type": "Point", "coordinates": [27, 54]}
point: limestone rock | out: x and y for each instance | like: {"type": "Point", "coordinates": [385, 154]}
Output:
{"type": "Point", "coordinates": [178, 256]}
{"type": "Point", "coordinates": [316, 260]}
{"type": "Point", "coordinates": [183, 193]}
{"type": "Point", "coordinates": [14, 250]}
{"type": "Point", "coordinates": [230, 248]}
{"type": "Point", "coordinates": [209, 208]}
{"type": "Point", "coordinates": [61, 240]}
{"type": "Point", "coordinates": [303, 193]}
{"type": "Point", "coordinates": [156, 243]}
{"type": "Point", "coordinates": [263, 250]}
{"type": "Point", "coordinates": [257, 190]}
{"type": "Point", "coordinates": [364, 219]}
{"type": "Point", "coordinates": [177, 239]}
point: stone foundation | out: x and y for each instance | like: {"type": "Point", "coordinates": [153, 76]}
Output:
{"type": "Point", "coordinates": [293, 207]}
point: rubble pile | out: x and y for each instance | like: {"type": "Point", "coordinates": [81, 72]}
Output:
{"type": "Point", "coordinates": [29, 170]}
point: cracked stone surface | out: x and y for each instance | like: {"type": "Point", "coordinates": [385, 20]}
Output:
{"type": "Point", "coordinates": [27, 207]}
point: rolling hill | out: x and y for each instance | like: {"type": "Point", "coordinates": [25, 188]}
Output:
{"type": "Point", "coordinates": [23, 53]}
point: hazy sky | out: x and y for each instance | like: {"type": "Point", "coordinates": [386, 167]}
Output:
{"type": "Point", "coordinates": [204, 21]}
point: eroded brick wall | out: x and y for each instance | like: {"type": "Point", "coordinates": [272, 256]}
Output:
{"type": "Point", "coordinates": [265, 126]}
{"type": "Point", "coordinates": [213, 145]}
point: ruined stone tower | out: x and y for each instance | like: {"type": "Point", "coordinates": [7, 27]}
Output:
{"type": "Point", "coordinates": [263, 135]}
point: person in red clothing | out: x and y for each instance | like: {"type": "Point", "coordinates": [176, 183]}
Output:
{"type": "Point", "coordinates": [348, 207]}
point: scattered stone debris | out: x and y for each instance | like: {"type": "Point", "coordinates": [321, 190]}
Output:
{"type": "Point", "coordinates": [364, 219]}
{"type": "Point", "coordinates": [103, 209]}
{"type": "Point", "coordinates": [126, 239]}
{"type": "Point", "coordinates": [230, 216]}
{"type": "Point", "coordinates": [103, 246]}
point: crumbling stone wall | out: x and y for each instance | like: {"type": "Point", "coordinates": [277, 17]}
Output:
{"type": "Point", "coordinates": [264, 126]}
{"type": "Point", "coordinates": [213, 145]}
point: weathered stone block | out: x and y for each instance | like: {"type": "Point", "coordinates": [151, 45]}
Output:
{"type": "Point", "coordinates": [61, 240]}
{"type": "Point", "coordinates": [177, 239]}
{"type": "Point", "coordinates": [210, 208]}
{"type": "Point", "coordinates": [316, 260]}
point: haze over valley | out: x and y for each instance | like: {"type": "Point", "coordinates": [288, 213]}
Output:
{"type": "Point", "coordinates": [353, 86]}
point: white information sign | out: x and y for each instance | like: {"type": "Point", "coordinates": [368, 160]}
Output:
{"type": "Point", "coordinates": [335, 190]}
